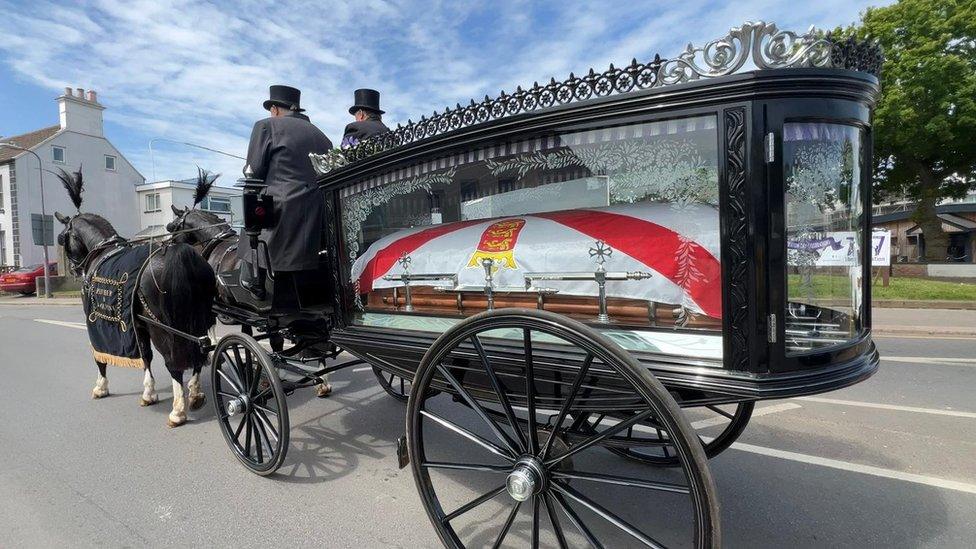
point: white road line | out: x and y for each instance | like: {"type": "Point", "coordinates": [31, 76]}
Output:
{"type": "Point", "coordinates": [75, 325]}
{"type": "Point", "coordinates": [765, 410]}
{"type": "Point", "coordinates": [906, 336]}
{"type": "Point", "coordinates": [362, 369]}
{"type": "Point", "coordinates": [967, 362]}
{"type": "Point", "coordinates": [895, 407]}
{"type": "Point", "coordinates": [858, 468]}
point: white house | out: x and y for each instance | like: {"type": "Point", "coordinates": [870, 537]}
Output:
{"type": "Point", "coordinates": [156, 199]}
{"type": "Point", "coordinates": [77, 141]}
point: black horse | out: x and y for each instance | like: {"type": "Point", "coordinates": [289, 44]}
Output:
{"type": "Point", "coordinates": [177, 287]}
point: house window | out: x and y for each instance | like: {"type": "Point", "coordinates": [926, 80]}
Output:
{"type": "Point", "coordinates": [1, 206]}
{"type": "Point", "coordinates": [152, 202]}
{"type": "Point", "coordinates": [216, 204]}
{"type": "Point", "coordinates": [109, 162]}
{"type": "Point", "coordinates": [3, 248]}
{"type": "Point", "coordinates": [57, 154]}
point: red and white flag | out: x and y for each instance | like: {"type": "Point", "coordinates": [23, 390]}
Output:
{"type": "Point", "coordinates": [678, 245]}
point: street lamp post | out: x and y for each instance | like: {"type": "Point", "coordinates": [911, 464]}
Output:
{"type": "Point", "coordinates": [40, 176]}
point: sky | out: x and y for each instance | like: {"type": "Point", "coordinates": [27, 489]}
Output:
{"type": "Point", "coordinates": [197, 72]}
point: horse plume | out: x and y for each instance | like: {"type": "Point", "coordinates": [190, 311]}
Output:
{"type": "Point", "coordinates": [74, 184]}
{"type": "Point", "coordinates": [205, 180]}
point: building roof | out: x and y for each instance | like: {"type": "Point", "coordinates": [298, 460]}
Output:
{"type": "Point", "coordinates": [959, 224]}
{"type": "Point", "coordinates": [27, 141]}
{"type": "Point", "coordinates": [188, 184]}
{"type": "Point", "coordinates": [951, 208]}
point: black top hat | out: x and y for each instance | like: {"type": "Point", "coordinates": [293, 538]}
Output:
{"type": "Point", "coordinates": [367, 100]}
{"type": "Point", "coordinates": [284, 96]}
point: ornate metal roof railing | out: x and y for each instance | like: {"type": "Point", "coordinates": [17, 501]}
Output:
{"type": "Point", "coordinates": [762, 43]}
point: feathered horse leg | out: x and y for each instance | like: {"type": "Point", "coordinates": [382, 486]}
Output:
{"type": "Point", "coordinates": [101, 384]}
{"type": "Point", "coordinates": [195, 396]}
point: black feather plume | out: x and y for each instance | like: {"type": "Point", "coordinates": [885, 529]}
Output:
{"type": "Point", "coordinates": [74, 184]}
{"type": "Point", "coordinates": [205, 180]}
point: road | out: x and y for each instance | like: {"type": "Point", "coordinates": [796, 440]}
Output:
{"type": "Point", "coordinates": [887, 463]}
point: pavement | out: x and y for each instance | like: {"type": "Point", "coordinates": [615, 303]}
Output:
{"type": "Point", "coordinates": [885, 463]}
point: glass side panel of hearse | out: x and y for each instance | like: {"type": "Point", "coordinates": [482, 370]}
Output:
{"type": "Point", "coordinates": [536, 222]}
{"type": "Point", "coordinates": [825, 236]}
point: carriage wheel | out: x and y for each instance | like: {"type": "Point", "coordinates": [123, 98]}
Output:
{"type": "Point", "coordinates": [394, 385]}
{"type": "Point", "coordinates": [651, 446]}
{"type": "Point", "coordinates": [529, 479]}
{"type": "Point", "coordinates": [249, 403]}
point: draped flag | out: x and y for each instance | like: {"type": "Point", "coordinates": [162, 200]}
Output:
{"type": "Point", "coordinates": [678, 244]}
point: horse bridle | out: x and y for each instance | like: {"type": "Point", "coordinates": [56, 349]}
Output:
{"type": "Point", "coordinates": [209, 244]}
{"type": "Point", "coordinates": [78, 268]}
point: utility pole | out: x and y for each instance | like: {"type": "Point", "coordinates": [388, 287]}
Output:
{"type": "Point", "coordinates": [40, 175]}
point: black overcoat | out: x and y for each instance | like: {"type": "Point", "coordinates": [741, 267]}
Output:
{"type": "Point", "coordinates": [359, 130]}
{"type": "Point", "coordinates": [278, 154]}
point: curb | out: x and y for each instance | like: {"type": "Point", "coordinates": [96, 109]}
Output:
{"type": "Point", "coordinates": [922, 330]}
{"type": "Point", "coordinates": [923, 304]}
{"type": "Point", "coordinates": [55, 302]}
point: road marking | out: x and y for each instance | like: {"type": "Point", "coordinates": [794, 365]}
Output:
{"type": "Point", "coordinates": [362, 369]}
{"type": "Point", "coordinates": [858, 468]}
{"type": "Point", "coordinates": [75, 325]}
{"type": "Point", "coordinates": [765, 410]}
{"type": "Point", "coordinates": [969, 362]}
{"type": "Point", "coordinates": [932, 411]}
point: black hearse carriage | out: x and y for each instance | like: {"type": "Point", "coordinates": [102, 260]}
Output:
{"type": "Point", "coordinates": [584, 286]}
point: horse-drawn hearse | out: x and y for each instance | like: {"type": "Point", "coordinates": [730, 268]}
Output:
{"type": "Point", "coordinates": [580, 288]}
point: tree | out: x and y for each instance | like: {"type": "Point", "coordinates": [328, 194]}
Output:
{"type": "Point", "coordinates": [925, 122]}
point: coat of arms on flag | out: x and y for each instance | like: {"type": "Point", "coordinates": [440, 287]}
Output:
{"type": "Point", "coordinates": [498, 243]}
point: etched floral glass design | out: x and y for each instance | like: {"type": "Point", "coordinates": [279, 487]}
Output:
{"type": "Point", "coordinates": [824, 234]}
{"type": "Point", "coordinates": [544, 202]}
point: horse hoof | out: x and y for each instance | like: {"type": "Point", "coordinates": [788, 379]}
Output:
{"type": "Point", "coordinates": [197, 402]}
{"type": "Point", "coordinates": [97, 394]}
{"type": "Point", "coordinates": [323, 390]}
{"type": "Point", "coordinates": [172, 424]}
{"type": "Point", "coordinates": [143, 402]}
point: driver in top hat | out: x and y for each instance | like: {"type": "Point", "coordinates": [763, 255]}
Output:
{"type": "Point", "coordinates": [369, 117]}
{"type": "Point", "coordinates": [278, 154]}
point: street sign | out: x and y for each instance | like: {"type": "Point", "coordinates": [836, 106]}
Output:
{"type": "Point", "coordinates": [47, 228]}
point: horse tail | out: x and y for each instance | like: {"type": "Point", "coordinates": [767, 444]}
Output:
{"type": "Point", "coordinates": [190, 288]}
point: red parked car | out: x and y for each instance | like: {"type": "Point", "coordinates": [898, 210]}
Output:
{"type": "Point", "coordinates": [24, 280]}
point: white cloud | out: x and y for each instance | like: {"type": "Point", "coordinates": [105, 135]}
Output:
{"type": "Point", "coordinates": [195, 71]}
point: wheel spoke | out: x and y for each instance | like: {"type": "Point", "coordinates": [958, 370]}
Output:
{"type": "Point", "coordinates": [258, 443]}
{"type": "Point", "coordinates": [622, 481]}
{"type": "Point", "coordinates": [237, 432]}
{"type": "Point", "coordinates": [535, 521]}
{"type": "Point", "coordinates": [230, 381]}
{"type": "Point", "coordinates": [239, 366]}
{"type": "Point", "coordinates": [502, 396]}
{"type": "Point", "coordinates": [557, 528]}
{"type": "Point", "coordinates": [472, 504]}
{"type": "Point", "coordinates": [265, 423]}
{"type": "Point", "coordinates": [226, 394]}
{"type": "Point", "coordinates": [247, 435]}
{"type": "Point", "coordinates": [660, 436]}
{"type": "Point", "coordinates": [487, 445]}
{"type": "Point", "coordinates": [569, 402]}
{"type": "Point", "coordinates": [720, 412]}
{"type": "Point", "coordinates": [575, 519]}
{"type": "Point", "coordinates": [266, 410]}
{"type": "Point", "coordinates": [403, 389]}
{"type": "Point", "coordinates": [255, 371]}
{"type": "Point", "coordinates": [603, 512]}
{"type": "Point", "coordinates": [530, 391]}
{"type": "Point", "coordinates": [606, 433]}
{"type": "Point", "coordinates": [507, 526]}
{"type": "Point", "coordinates": [492, 424]}
{"type": "Point", "coordinates": [467, 467]}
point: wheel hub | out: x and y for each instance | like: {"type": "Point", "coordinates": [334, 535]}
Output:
{"type": "Point", "coordinates": [237, 405]}
{"type": "Point", "coordinates": [526, 479]}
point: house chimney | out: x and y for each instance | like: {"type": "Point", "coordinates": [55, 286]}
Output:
{"type": "Point", "coordinates": [79, 113]}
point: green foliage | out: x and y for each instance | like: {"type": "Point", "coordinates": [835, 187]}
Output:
{"type": "Point", "coordinates": [900, 288]}
{"type": "Point", "coordinates": [925, 123]}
